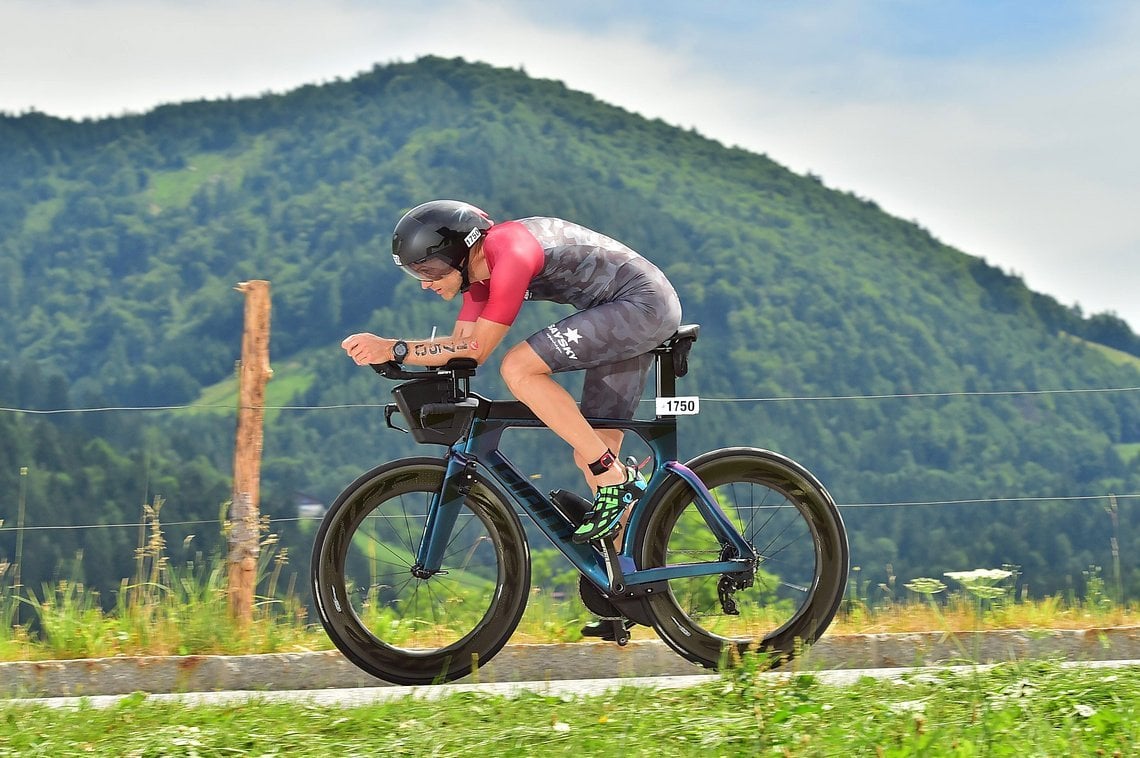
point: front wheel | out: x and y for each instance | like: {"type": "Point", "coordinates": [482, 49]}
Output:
{"type": "Point", "coordinates": [390, 619]}
{"type": "Point", "coordinates": [795, 529]}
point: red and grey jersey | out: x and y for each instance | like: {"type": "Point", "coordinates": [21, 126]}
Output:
{"type": "Point", "coordinates": [542, 258]}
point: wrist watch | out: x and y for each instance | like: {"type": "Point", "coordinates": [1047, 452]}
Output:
{"type": "Point", "coordinates": [399, 351]}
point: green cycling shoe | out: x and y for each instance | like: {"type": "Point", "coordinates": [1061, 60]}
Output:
{"type": "Point", "coordinates": [609, 504]}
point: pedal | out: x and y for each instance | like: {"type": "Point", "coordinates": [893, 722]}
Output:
{"type": "Point", "coordinates": [618, 630]}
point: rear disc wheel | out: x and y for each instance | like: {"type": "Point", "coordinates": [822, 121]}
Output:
{"type": "Point", "coordinates": [792, 524]}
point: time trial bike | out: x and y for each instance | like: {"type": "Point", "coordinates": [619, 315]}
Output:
{"type": "Point", "coordinates": [421, 567]}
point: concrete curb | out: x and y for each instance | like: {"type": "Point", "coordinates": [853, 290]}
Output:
{"type": "Point", "coordinates": [517, 663]}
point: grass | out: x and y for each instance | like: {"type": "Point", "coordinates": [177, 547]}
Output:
{"type": "Point", "coordinates": [176, 187]}
{"type": "Point", "coordinates": [161, 610]}
{"type": "Point", "coordinates": [1128, 451]}
{"type": "Point", "coordinates": [1119, 357]}
{"type": "Point", "coordinates": [1010, 710]}
{"type": "Point", "coordinates": [288, 381]}
{"type": "Point", "coordinates": [184, 610]}
{"type": "Point", "coordinates": [166, 610]}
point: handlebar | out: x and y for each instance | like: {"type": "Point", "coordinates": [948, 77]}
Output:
{"type": "Point", "coordinates": [458, 367]}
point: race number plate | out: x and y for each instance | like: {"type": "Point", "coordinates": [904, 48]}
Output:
{"type": "Point", "coordinates": [678, 406]}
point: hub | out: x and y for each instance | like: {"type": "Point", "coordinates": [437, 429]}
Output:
{"type": "Point", "coordinates": [419, 572]}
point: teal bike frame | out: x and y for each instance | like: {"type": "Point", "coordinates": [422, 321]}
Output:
{"type": "Point", "coordinates": [609, 570]}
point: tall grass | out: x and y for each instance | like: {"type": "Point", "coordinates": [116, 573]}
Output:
{"type": "Point", "coordinates": [164, 609]}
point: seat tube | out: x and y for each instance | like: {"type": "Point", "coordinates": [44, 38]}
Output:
{"type": "Point", "coordinates": [442, 513]}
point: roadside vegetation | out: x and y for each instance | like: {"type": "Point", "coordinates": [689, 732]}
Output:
{"type": "Point", "coordinates": [167, 609]}
{"type": "Point", "coordinates": [1011, 710]}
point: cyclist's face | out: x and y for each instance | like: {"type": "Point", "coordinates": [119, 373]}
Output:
{"type": "Point", "coordinates": [446, 286]}
{"type": "Point", "coordinates": [429, 270]}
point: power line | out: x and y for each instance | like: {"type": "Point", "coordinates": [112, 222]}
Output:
{"type": "Point", "coordinates": [61, 527]}
{"type": "Point", "coordinates": [910, 395]}
{"type": "Point", "coordinates": [905, 504]}
{"type": "Point", "coordinates": [708, 399]}
{"type": "Point", "coordinates": [990, 500]}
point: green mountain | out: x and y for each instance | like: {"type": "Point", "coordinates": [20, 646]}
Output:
{"type": "Point", "coordinates": [852, 340]}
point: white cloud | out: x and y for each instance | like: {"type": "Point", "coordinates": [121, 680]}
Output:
{"type": "Point", "coordinates": [1020, 154]}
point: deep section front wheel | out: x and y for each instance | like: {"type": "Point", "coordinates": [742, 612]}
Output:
{"type": "Point", "coordinates": [391, 619]}
{"type": "Point", "coordinates": [794, 589]}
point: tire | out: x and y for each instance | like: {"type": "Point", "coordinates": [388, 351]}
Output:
{"type": "Point", "coordinates": [409, 630]}
{"type": "Point", "coordinates": [801, 574]}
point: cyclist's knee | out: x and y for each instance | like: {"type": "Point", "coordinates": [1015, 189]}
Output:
{"type": "Point", "coordinates": [519, 363]}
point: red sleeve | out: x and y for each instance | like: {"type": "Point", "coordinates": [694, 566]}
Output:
{"type": "Point", "coordinates": [514, 257]}
{"type": "Point", "coordinates": [474, 301]}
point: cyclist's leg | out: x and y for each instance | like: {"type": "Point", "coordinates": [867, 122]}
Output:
{"type": "Point", "coordinates": [614, 391]}
{"type": "Point", "coordinates": [617, 335]}
{"type": "Point", "coordinates": [612, 439]}
{"type": "Point", "coordinates": [529, 379]}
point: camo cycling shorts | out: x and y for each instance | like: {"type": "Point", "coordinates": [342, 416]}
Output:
{"type": "Point", "coordinates": [611, 342]}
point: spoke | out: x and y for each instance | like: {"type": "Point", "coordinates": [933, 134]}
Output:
{"type": "Point", "coordinates": [397, 604]}
{"type": "Point", "coordinates": [372, 534]}
{"type": "Point", "coordinates": [407, 542]}
{"type": "Point", "coordinates": [765, 550]}
{"type": "Point", "coordinates": [756, 508]}
{"type": "Point", "coordinates": [451, 549]}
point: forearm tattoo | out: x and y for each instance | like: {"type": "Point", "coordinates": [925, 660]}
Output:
{"type": "Point", "coordinates": [426, 349]}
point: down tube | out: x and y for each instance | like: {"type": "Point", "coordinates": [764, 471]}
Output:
{"type": "Point", "coordinates": [584, 557]}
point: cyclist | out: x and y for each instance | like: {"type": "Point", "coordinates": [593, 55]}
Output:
{"type": "Point", "coordinates": [625, 307]}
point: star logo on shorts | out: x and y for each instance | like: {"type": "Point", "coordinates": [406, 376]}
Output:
{"type": "Point", "coordinates": [572, 335]}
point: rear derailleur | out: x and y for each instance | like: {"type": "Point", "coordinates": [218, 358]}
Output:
{"type": "Point", "coordinates": [729, 584]}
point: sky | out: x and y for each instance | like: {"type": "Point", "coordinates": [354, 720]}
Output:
{"type": "Point", "coordinates": [1006, 129]}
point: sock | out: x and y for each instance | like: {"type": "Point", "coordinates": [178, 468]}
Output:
{"type": "Point", "coordinates": [603, 464]}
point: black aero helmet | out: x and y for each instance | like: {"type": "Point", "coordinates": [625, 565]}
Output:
{"type": "Point", "coordinates": [435, 238]}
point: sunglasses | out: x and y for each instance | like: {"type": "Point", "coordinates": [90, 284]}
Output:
{"type": "Point", "coordinates": [429, 269]}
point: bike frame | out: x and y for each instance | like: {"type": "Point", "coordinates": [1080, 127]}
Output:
{"type": "Point", "coordinates": [607, 569]}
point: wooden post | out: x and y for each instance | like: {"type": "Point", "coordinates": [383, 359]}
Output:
{"type": "Point", "coordinates": [17, 587]}
{"type": "Point", "coordinates": [253, 374]}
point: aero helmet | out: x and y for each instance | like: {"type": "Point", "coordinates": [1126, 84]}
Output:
{"type": "Point", "coordinates": [435, 238]}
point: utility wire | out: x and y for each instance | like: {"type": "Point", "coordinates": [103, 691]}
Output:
{"type": "Point", "coordinates": [802, 398]}
{"type": "Point", "coordinates": [908, 504]}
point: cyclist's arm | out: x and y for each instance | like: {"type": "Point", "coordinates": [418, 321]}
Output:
{"type": "Point", "coordinates": [490, 306]}
{"type": "Point", "coordinates": [469, 340]}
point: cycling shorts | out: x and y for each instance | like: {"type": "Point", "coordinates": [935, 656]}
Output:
{"type": "Point", "coordinates": [611, 343]}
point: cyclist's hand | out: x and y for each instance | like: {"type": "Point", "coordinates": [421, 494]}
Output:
{"type": "Point", "coordinates": [366, 348]}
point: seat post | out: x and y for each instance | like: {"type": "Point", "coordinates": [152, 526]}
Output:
{"type": "Point", "coordinates": [666, 374]}
{"type": "Point", "coordinates": [672, 353]}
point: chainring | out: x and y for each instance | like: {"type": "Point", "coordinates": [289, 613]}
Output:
{"type": "Point", "coordinates": [604, 607]}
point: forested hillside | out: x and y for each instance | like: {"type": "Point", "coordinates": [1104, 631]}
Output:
{"type": "Point", "coordinates": [854, 341]}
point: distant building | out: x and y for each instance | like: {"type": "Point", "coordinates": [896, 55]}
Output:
{"type": "Point", "coordinates": [309, 507]}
